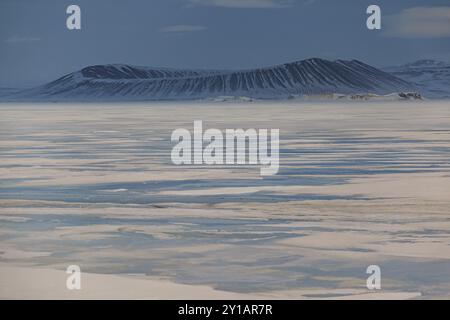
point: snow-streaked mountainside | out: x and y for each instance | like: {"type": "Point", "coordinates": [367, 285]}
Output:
{"type": "Point", "coordinates": [430, 76]}
{"type": "Point", "coordinates": [307, 77]}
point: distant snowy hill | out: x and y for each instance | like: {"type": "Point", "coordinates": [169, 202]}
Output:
{"type": "Point", "coordinates": [431, 77]}
{"type": "Point", "coordinates": [7, 91]}
{"type": "Point", "coordinates": [308, 77]}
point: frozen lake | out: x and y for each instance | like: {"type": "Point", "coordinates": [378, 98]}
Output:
{"type": "Point", "coordinates": [359, 184]}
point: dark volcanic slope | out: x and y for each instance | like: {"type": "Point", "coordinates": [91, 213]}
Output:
{"type": "Point", "coordinates": [432, 77]}
{"type": "Point", "coordinates": [312, 76]}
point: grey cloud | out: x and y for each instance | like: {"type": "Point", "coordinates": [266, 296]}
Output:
{"type": "Point", "coordinates": [419, 22]}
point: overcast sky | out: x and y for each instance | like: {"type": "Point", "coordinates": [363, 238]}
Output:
{"type": "Point", "coordinates": [36, 46]}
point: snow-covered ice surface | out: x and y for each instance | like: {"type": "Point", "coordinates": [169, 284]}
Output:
{"type": "Point", "coordinates": [359, 184]}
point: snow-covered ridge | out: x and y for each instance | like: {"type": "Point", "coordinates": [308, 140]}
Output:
{"type": "Point", "coordinates": [307, 77]}
{"type": "Point", "coordinates": [430, 76]}
{"type": "Point", "coordinates": [122, 71]}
